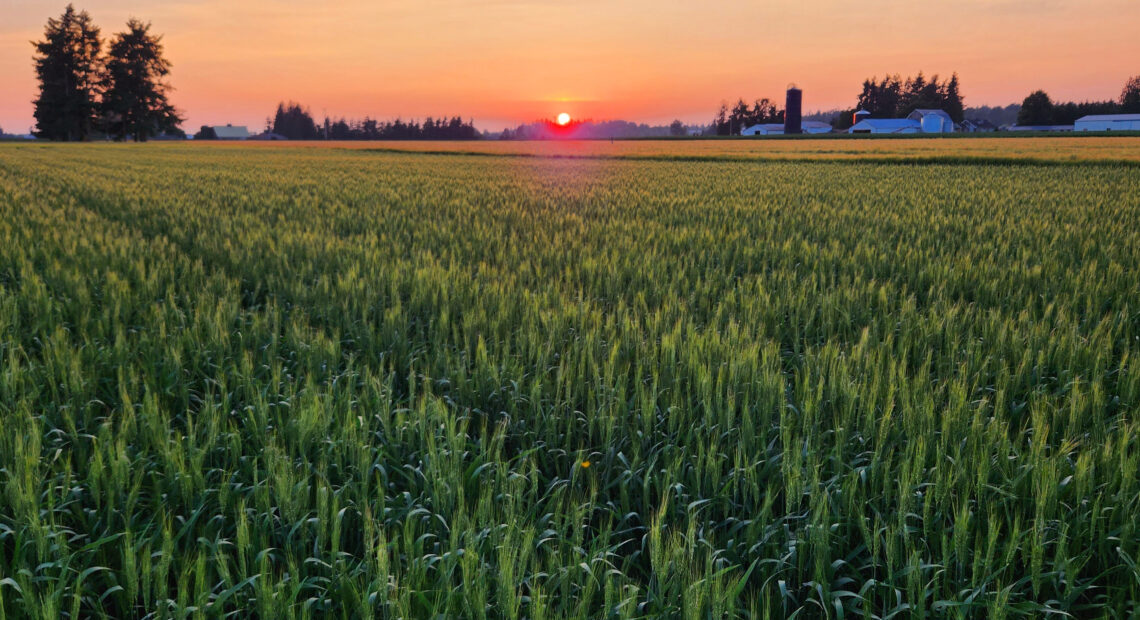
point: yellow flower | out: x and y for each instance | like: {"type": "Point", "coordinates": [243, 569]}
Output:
{"type": "Point", "coordinates": [585, 464]}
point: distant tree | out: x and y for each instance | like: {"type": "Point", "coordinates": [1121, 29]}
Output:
{"type": "Point", "coordinates": [881, 98]}
{"type": "Point", "coordinates": [677, 128]}
{"type": "Point", "coordinates": [206, 133]}
{"type": "Point", "coordinates": [294, 122]}
{"type": "Point", "coordinates": [739, 118]}
{"type": "Point", "coordinates": [720, 122]}
{"type": "Point", "coordinates": [134, 94]}
{"type": "Point", "coordinates": [843, 120]}
{"type": "Point", "coordinates": [1130, 96]}
{"type": "Point", "coordinates": [67, 64]}
{"type": "Point", "coordinates": [891, 97]}
{"type": "Point", "coordinates": [952, 100]}
{"type": "Point", "coordinates": [1037, 109]}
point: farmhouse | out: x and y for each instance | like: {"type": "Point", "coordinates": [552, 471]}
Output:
{"type": "Point", "coordinates": [231, 132]}
{"type": "Point", "coordinates": [1108, 122]}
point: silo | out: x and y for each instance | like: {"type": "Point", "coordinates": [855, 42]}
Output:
{"type": "Point", "coordinates": [793, 111]}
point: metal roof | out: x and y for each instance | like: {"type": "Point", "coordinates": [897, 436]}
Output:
{"type": "Point", "coordinates": [888, 123]}
{"type": "Point", "coordinates": [1110, 117]}
{"type": "Point", "coordinates": [231, 131]}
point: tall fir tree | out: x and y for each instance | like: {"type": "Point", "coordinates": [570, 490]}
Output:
{"type": "Point", "coordinates": [67, 64]}
{"type": "Point", "coordinates": [135, 101]}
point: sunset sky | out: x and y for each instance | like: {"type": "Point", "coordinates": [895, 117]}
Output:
{"type": "Point", "coordinates": [503, 62]}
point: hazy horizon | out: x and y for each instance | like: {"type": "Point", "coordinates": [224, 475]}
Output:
{"type": "Point", "coordinates": [507, 62]}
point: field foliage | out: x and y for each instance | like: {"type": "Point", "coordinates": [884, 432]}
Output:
{"type": "Point", "coordinates": [339, 383]}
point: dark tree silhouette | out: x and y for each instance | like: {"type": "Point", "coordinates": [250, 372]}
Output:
{"type": "Point", "coordinates": [1130, 96]}
{"type": "Point", "coordinates": [1037, 109]}
{"type": "Point", "coordinates": [67, 64]}
{"type": "Point", "coordinates": [891, 97]}
{"type": "Point", "coordinates": [294, 122]}
{"type": "Point", "coordinates": [134, 97]}
{"type": "Point", "coordinates": [677, 128]}
{"type": "Point", "coordinates": [952, 100]}
{"type": "Point", "coordinates": [206, 133]}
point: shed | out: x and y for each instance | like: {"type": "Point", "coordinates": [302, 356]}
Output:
{"type": "Point", "coordinates": [764, 129]}
{"type": "Point", "coordinates": [231, 132]}
{"type": "Point", "coordinates": [886, 126]}
{"type": "Point", "coordinates": [933, 121]}
{"type": "Point", "coordinates": [1108, 122]}
{"type": "Point", "coordinates": [1040, 128]}
{"type": "Point", "coordinates": [816, 127]}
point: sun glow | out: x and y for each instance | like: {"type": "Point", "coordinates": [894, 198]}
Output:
{"type": "Point", "coordinates": [563, 118]}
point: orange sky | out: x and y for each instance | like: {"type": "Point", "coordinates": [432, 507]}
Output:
{"type": "Point", "coordinates": [503, 62]}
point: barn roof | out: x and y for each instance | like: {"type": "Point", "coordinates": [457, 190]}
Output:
{"type": "Point", "coordinates": [1110, 117]}
{"type": "Point", "coordinates": [888, 123]}
{"type": "Point", "coordinates": [231, 131]}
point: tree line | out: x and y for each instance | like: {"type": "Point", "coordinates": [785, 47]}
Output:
{"type": "Point", "coordinates": [730, 122]}
{"type": "Point", "coordinates": [86, 91]}
{"type": "Point", "coordinates": [295, 122]}
{"type": "Point", "coordinates": [1039, 109]}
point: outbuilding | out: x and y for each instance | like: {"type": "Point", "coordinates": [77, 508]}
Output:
{"type": "Point", "coordinates": [231, 132]}
{"type": "Point", "coordinates": [764, 129]}
{"type": "Point", "coordinates": [1040, 128]}
{"type": "Point", "coordinates": [1108, 122]}
{"type": "Point", "coordinates": [886, 126]}
{"type": "Point", "coordinates": [933, 121]}
{"type": "Point", "coordinates": [816, 127]}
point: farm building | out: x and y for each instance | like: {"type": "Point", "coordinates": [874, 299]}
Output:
{"type": "Point", "coordinates": [933, 121]}
{"type": "Point", "coordinates": [1040, 128]}
{"type": "Point", "coordinates": [231, 132]}
{"type": "Point", "coordinates": [1108, 122]}
{"type": "Point", "coordinates": [777, 129]}
{"type": "Point", "coordinates": [886, 126]}
{"type": "Point", "coordinates": [975, 125]}
{"type": "Point", "coordinates": [765, 129]}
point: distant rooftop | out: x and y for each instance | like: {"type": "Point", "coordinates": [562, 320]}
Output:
{"type": "Point", "coordinates": [1110, 117]}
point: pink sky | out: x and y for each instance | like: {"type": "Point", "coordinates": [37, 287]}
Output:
{"type": "Point", "coordinates": [503, 62]}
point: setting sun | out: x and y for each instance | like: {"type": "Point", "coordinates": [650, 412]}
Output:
{"type": "Point", "coordinates": [563, 118]}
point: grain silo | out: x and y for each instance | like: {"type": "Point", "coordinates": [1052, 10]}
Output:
{"type": "Point", "coordinates": [793, 111]}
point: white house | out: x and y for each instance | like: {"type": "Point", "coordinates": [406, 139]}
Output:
{"type": "Point", "coordinates": [1108, 122]}
{"type": "Point", "coordinates": [886, 126]}
{"type": "Point", "coordinates": [933, 121]}
{"type": "Point", "coordinates": [231, 132]}
{"type": "Point", "coordinates": [764, 129]}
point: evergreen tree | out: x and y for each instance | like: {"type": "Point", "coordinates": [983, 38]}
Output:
{"type": "Point", "coordinates": [67, 64]}
{"type": "Point", "coordinates": [1130, 96]}
{"type": "Point", "coordinates": [1037, 109]}
{"type": "Point", "coordinates": [134, 98]}
{"type": "Point", "coordinates": [952, 100]}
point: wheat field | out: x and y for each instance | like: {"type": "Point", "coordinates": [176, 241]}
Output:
{"type": "Point", "coordinates": [683, 381]}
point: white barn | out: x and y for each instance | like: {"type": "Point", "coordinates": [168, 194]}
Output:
{"type": "Point", "coordinates": [1108, 122]}
{"type": "Point", "coordinates": [777, 129]}
{"type": "Point", "coordinates": [231, 132]}
{"type": "Point", "coordinates": [933, 121]}
{"type": "Point", "coordinates": [886, 126]}
{"type": "Point", "coordinates": [764, 129]}
{"type": "Point", "coordinates": [815, 127]}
